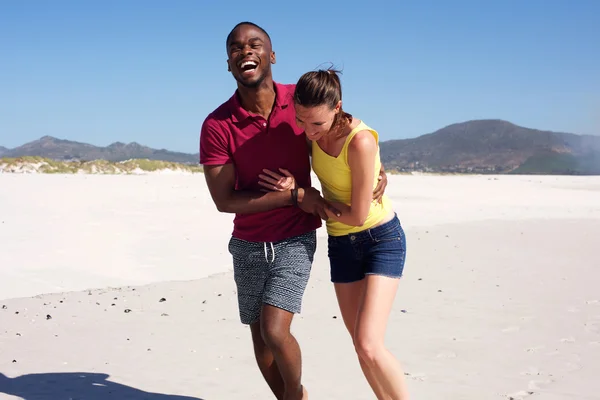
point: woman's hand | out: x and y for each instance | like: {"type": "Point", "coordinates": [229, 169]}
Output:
{"type": "Point", "coordinates": [275, 182]}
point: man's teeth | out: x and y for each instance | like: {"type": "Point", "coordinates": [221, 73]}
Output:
{"type": "Point", "coordinates": [248, 63]}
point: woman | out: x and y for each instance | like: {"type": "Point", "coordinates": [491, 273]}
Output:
{"type": "Point", "coordinates": [367, 245]}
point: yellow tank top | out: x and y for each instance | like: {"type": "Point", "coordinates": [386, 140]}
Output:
{"type": "Point", "coordinates": [336, 183]}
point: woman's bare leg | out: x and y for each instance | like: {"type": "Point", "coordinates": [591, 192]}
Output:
{"type": "Point", "coordinates": [369, 335]}
{"type": "Point", "coordinates": [350, 296]}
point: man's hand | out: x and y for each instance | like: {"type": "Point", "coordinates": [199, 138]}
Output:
{"type": "Point", "coordinates": [310, 201]}
{"type": "Point", "coordinates": [273, 181]}
{"type": "Point", "coordinates": [381, 185]}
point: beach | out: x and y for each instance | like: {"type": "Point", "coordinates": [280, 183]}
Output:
{"type": "Point", "coordinates": [120, 287]}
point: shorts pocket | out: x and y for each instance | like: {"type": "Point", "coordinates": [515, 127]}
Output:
{"type": "Point", "coordinates": [394, 234]}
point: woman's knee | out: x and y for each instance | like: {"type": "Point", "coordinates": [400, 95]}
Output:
{"type": "Point", "coordinates": [369, 350]}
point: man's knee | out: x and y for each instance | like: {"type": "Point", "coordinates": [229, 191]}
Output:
{"type": "Point", "coordinates": [276, 336]}
{"type": "Point", "coordinates": [275, 327]}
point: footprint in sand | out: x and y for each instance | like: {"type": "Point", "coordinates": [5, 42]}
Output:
{"type": "Point", "coordinates": [590, 302]}
{"type": "Point", "coordinates": [535, 349]}
{"type": "Point", "coordinates": [572, 367]}
{"type": "Point", "coordinates": [532, 371]}
{"type": "Point", "coordinates": [416, 377]}
{"type": "Point", "coordinates": [511, 329]}
{"type": "Point", "coordinates": [532, 387]}
{"type": "Point", "coordinates": [573, 310]}
{"type": "Point", "coordinates": [591, 327]}
{"type": "Point", "coordinates": [446, 354]}
{"type": "Point", "coordinates": [568, 340]}
{"type": "Point", "coordinates": [520, 395]}
{"type": "Point", "coordinates": [595, 344]}
{"type": "Point", "coordinates": [538, 384]}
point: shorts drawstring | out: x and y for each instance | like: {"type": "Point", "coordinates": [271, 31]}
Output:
{"type": "Point", "coordinates": [272, 252]}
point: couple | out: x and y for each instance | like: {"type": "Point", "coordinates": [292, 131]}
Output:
{"type": "Point", "coordinates": [256, 150]}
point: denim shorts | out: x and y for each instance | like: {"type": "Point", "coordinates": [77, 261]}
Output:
{"type": "Point", "coordinates": [377, 251]}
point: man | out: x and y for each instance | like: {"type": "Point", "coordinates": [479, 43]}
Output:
{"type": "Point", "coordinates": [274, 236]}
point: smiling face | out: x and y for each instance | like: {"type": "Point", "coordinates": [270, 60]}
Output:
{"type": "Point", "coordinates": [249, 55]}
{"type": "Point", "coordinates": [316, 121]}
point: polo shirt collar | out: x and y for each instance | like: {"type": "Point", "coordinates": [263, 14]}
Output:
{"type": "Point", "coordinates": [283, 98]}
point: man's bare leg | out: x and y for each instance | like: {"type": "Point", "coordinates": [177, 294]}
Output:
{"type": "Point", "coordinates": [266, 362]}
{"type": "Point", "coordinates": [275, 326]}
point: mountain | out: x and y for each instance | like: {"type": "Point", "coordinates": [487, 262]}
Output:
{"type": "Point", "coordinates": [480, 146]}
{"type": "Point", "coordinates": [59, 149]}
{"type": "Point", "coordinates": [494, 146]}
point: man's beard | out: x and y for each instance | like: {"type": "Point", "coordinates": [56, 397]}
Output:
{"type": "Point", "coordinates": [254, 84]}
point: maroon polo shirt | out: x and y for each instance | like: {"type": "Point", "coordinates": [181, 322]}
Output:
{"type": "Point", "coordinates": [232, 135]}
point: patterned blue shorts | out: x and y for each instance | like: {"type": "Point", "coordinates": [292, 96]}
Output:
{"type": "Point", "coordinates": [271, 273]}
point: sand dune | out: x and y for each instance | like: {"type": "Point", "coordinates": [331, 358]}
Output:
{"type": "Point", "coordinates": [119, 287]}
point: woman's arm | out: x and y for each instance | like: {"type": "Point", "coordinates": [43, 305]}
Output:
{"type": "Point", "coordinates": [361, 159]}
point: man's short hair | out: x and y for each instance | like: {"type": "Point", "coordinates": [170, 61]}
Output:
{"type": "Point", "coordinates": [246, 23]}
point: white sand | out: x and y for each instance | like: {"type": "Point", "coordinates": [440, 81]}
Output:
{"type": "Point", "coordinates": [500, 292]}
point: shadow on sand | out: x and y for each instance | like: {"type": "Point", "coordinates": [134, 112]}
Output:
{"type": "Point", "coordinates": [76, 386]}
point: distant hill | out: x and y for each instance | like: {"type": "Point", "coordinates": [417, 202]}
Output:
{"type": "Point", "coordinates": [481, 146]}
{"type": "Point", "coordinates": [494, 146]}
{"type": "Point", "coordinates": [65, 150]}
{"type": "Point", "coordinates": [33, 164]}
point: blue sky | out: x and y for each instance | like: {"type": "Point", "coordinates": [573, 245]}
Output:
{"type": "Point", "coordinates": [150, 71]}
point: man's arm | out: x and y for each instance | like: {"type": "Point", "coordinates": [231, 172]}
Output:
{"type": "Point", "coordinates": [221, 184]}
{"type": "Point", "coordinates": [219, 172]}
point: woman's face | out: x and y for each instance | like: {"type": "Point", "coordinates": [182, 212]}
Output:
{"type": "Point", "coordinates": [316, 121]}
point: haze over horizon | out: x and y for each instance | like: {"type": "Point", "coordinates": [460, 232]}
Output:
{"type": "Point", "coordinates": [149, 73]}
{"type": "Point", "coordinates": [195, 151]}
